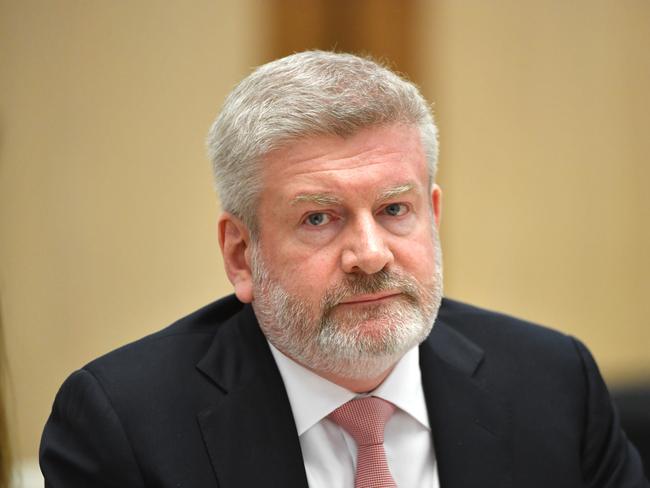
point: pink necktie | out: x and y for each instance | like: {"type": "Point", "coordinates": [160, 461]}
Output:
{"type": "Point", "coordinates": [364, 419]}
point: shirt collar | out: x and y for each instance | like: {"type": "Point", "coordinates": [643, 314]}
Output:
{"type": "Point", "coordinates": [313, 398]}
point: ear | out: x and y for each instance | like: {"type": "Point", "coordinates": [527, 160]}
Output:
{"type": "Point", "coordinates": [234, 240]}
{"type": "Point", "coordinates": [436, 200]}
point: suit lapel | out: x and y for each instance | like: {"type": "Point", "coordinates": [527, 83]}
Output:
{"type": "Point", "coordinates": [471, 427]}
{"type": "Point", "coordinates": [249, 430]}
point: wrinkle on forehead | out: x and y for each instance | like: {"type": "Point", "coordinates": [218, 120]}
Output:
{"type": "Point", "coordinates": [328, 161]}
{"type": "Point", "coordinates": [368, 147]}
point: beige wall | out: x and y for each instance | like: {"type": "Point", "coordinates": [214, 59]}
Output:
{"type": "Point", "coordinates": [106, 205]}
{"type": "Point", "coordinates": [107, 209]}
{"type": "Point", "coordinates": [544, 108]}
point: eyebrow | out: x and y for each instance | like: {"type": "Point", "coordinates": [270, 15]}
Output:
{"type": "Point", "coordinates": [322, 199]}
{"type": "Point", "coordinates": [395, 191]}
{"type": "Point", "coordinates": [327, 199]}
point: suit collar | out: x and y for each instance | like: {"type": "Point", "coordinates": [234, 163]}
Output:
{"type": "Point", "coordinates": [471, 426]}
{"type": "Point", "coordinates": [249, 430]}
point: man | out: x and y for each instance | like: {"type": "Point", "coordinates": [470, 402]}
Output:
{"type": "Point", "coordinates": [325, 164]}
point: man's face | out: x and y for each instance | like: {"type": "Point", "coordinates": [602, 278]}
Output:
{"type": "Point", "coordinates": [346, 269]}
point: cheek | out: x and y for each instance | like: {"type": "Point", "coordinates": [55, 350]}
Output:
{"type": "Point", "coordinates": [417, 256]}
{"type": "Point", "coordinates": [306, 273]}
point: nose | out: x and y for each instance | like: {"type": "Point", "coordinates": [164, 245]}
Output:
{"type": "Point", "coordinates": [366, 250]}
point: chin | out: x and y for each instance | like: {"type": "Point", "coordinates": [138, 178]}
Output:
{"type": "Point", "coordinates": [365, 350]}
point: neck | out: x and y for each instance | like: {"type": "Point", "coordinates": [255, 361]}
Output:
{"type": "Point", "coordinates": [356, 385]}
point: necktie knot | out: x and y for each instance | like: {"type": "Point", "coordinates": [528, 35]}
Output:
{"type": "Point", "coordinates": [364, 419]}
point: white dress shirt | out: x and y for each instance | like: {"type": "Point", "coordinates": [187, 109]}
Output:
{"type": "Point", "coordinates": [330, 453]}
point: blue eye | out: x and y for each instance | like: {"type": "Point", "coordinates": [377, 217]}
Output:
{"type": "Point", "coordinates": [317, 219]}
{"type": "Point", "coordinates": [395, 209]}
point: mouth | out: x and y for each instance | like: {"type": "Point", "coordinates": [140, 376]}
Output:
{"type": "Point", "coordinates": [371, 298]}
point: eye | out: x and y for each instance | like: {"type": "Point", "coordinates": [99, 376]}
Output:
{"type": "Point", "coordinates": [318, 219]}
{"type": "Point", "coordinates": [395, 209]}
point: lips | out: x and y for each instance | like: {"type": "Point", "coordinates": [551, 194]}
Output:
{"type": "Point", "coordinates": [369, 298]}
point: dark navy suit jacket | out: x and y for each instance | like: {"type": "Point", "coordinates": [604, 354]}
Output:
{"type": "Point", "coordinates": [201, 404]}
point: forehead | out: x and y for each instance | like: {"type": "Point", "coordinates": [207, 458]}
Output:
{"type": "Point", "coordinates": [372, 159]}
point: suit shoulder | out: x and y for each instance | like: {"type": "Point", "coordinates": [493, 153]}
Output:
{"type": "Point", "coordinates": [547, 382]}
{"type": "Point", "coordinates": [485, 325]}
{"type": "Point", "coordinates": [512, 345]}
{"type": "Point", "coordinates": [520, 358]}
{"type": "Point", "coordinates": [180, 344]}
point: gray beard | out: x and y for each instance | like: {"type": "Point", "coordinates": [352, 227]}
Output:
{"type": "Point", "coordinates": [335, 341]}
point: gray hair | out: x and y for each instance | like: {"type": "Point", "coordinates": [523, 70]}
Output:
{"type": "Point", "coordinates": [308, 93]}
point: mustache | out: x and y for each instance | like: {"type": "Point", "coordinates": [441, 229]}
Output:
{"type": "Point", "coordinates": [360, 284]}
